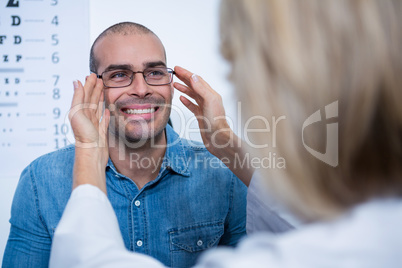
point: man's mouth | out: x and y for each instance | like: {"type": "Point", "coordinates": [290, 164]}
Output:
{"type": "Point", "coordinates": [140, 111]}
{"type": "Point", "coordinates": [144, 111]}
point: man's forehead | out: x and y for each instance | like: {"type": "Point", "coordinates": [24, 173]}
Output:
{"type": "Point", "coordinates": [130, 42]}
{"type": "Point", "coordinates": [116, 38]}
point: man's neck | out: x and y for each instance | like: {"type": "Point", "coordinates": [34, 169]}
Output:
{"type": "Point", "coordinates": [140, 164]}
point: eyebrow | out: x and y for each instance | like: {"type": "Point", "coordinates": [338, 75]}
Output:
{"type": "Point", "coordinates": [131, 67]}
{"type": "Point", "coordinates": [119, 66]}
{"type": "Point", "coordinates": [154, 64]}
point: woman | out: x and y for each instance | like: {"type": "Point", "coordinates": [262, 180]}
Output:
{"type": "Point", "coordinates": [289, 58]}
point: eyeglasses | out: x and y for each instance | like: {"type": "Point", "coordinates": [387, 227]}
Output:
{"type": "Point", "coordinates": [155, 76]}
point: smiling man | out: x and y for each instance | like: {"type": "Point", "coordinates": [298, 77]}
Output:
{"type": "Point", "coordinates": [171, 199]}
{"type": "Point", "coordinates": [131, 61]}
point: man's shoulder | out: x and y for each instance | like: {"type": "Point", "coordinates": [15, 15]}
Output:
{"type": "Point", "coordinates": [199, 159]}
{"type": "Point", "coordinates": [192, 145]}
{"type": "Point", "coordinates": [44, 187]}
{"type": "Point", "coordinates": [195, 148]}
{"type": "Point", "coordinates": [56, 164]}
{"type": "Point", "coordinates": [60, 156]}
{"type": "Point", "coordinates": [179, 144]}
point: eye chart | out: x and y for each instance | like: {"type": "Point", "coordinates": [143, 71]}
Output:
{"type": "Point", "coordinates": [44, 46]}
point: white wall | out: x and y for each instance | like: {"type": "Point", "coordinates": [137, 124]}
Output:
{"type": "Point", "coordinates": [189, 31]}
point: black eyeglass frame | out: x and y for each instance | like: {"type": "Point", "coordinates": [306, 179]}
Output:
{"type": "Point", "coordinates": [169, 70]}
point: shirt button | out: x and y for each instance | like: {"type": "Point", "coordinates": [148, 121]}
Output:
{"type": "Point", "coordinates": [137, 203]}
{"type": "Point", "coordinates": [139, 243]}
{"type": "Point", "coordinates": [199, 243]}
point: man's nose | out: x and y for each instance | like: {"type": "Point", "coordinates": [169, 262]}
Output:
{"type": "Point", "coordinates": [139, 87]}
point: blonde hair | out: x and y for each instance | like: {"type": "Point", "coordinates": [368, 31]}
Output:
{"type": "Point", "coordinates": [292, 58]}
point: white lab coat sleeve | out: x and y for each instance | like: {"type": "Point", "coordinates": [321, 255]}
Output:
{"type": "Point", "coordinates": [88, 235]}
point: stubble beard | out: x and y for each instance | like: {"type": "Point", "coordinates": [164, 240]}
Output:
{"type": "Point", "coordinates": [136, 133]}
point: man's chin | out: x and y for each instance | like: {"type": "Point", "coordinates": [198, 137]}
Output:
{"type": "Point", "coordinates": [137, 133]}
{"type": "Point", "coordinates": [137, 138]}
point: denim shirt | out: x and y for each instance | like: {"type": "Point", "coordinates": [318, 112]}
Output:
{"type": "Point", "coordinates": [195, 203]}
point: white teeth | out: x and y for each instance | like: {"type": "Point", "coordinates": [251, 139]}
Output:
{"type": "Point", "coordinates": [140, 111]}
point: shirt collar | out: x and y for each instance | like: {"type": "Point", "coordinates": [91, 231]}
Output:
{"type": "Point", "coordinates": [175, 155]}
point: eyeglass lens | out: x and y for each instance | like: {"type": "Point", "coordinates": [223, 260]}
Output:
{"type": "Point", "coordinates": [124, 77]}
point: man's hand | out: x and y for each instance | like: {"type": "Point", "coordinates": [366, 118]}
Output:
{"type": "Point", "coordinates": [90, 132]}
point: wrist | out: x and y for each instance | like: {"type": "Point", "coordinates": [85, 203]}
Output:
{"type": "Point", "coordinates": [89, 168]}
{"type": "Point", "coordinates": [224, 144]}
{"type": "Point", "coordinates": [96, 153]}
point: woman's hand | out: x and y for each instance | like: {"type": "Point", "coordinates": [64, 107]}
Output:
{"type": "Point", "coordinates": [209, 111]}
{"type": "Point", "coordinates": [90, 132]}
{"type": "Point", "coordinates": [86, 112]}
{"type": "Point", "coordinates": [216, 133]}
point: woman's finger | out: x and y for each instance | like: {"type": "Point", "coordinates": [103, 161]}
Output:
{"type": "Point", "coordinates": [194, 82]}
{"type": "Point", "coordinates": [201, 86]}
{"type": "Point", "coordinates": [97, 92]}
{"type": "Point", "coordinates": [186, 90]}
{"type": "Point", "coordinates": [191, 106]}
{"type": "Point", "coordinates": [99, 110]}
{"type": "Point", "coordinates": [86, 108]}
{"type": "Point", "coordinates": [105, 120]}
{"type": "Point", "coordinates": [78, 96]}
{"type": "Point", "coordinates": [104, 124]}
{"type": "Point", "coordinates": [97, 99]}
{"type": "Point", "coordinates": [183, 74]}
{"type": "Point", "coordinates": [78, 99]}
{"type": "Point", "coordinates": [89, 87]}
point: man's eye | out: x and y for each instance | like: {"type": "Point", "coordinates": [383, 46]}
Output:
{"type": "Point", "coordinates": [156, 73]}
{"type": "Point", "coordinates": [118, 75]}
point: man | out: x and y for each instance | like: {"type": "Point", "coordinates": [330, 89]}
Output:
{"type": "Point", "coordinates": [171, 198]}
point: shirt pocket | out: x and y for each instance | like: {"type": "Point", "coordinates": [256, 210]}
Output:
{"type": "Point", "coordinates": [187, 243]}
